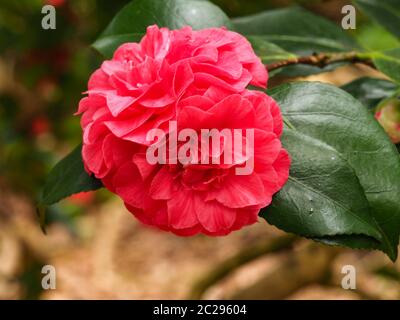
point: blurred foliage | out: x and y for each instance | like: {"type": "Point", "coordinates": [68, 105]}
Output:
{"type": "Point", "coordinates": [373, 37]}
{"type": "Point", "coordinates": [45, 73]}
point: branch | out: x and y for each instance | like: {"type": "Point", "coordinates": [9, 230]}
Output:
{"type": "Point", "coordinates": [220, 271]}
{"type": "Point", "coordinates": [323, 59]}
{"type": "Point", "coordinates": [310, 264]}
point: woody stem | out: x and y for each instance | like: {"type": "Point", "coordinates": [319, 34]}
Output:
{"type": "Point", "coordinates": [323, 59]}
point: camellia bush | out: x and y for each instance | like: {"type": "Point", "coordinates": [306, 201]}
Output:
{"type": "Point", "coordinates": [323, 166]}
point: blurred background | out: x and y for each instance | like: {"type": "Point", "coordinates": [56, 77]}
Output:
{"type": "Point", "coordinates": [98, 249]}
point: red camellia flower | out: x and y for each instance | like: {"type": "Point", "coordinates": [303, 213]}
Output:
{"type": "Point", "coordinates": [195, 80]}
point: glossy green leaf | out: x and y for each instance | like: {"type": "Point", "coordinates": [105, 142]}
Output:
{"type": "Point", "coordinates": [303, 70]}
{"type": "Point", "coordinates": [370, 91]}
{"type": "Point", "coordinates": [296, 30]}
{"type": "Point", "coordinates": [389, 63]}
{"type": "Point", "coordinates": [299, 32]}
{"type": "Point", "coordinates": [385, 12]}
{"type": "Point", "coordinates": [67, 178]}
{"type": "Point", "coordinates": [137, 15]}
{"type": "Point", "coordinates": [344, 180]}
{"type": "Point", "coordinates": [268, 51]}
{"type": "Point", "coordinates": [106, 45]}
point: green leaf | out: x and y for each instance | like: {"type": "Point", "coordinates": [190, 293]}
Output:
{"type": "Point", "coordinates": [66, 178]}
{"type": "Point", "coordinates": [303, 70]}
{"type": "Point", "coordinates": [388, 62]}
{"type": "Point", "coordinates": [268, 51]}
{"type": "Point", "coordinates": [296, 30]}
{"type": "Point", "coordinates": [344, 180]}
{"type": "Point", "coordinates": [370, 91]}
{"type": "Point", "coordinates": [137, 15]}
{"type": "Point", "coordinates": [373, 37]}
{"type": "Point", "coordinates": [385, 12]}
{"type": "Point", "coordinates": [106, 45]}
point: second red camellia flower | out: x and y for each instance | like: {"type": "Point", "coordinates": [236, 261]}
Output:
{"type": "Point", "coordinates": [197, 81]}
